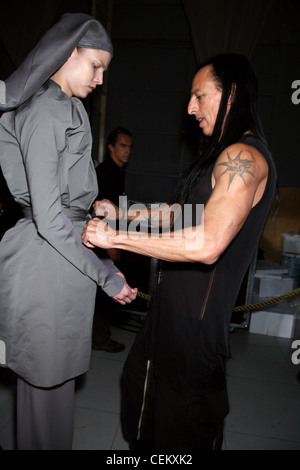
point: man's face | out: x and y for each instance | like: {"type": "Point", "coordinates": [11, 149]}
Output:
{"type": "Point", "coordinates": [205, 100]}
{"type": "Point", "coordinates": [120, 152]}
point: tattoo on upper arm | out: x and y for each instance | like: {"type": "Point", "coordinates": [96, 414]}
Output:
{"type": "Point", "coordinates": [236, 166]}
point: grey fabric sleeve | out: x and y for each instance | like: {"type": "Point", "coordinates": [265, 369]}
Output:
{"type": "Point", "coordinates": [40, 135]}
{"type": "Point", "coordinates": [2, 92]}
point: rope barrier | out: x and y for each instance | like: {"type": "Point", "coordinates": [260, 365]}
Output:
{"type": "Point", "coordinates": [144, 296]}
{"type": "Point", "coordinates": [242, 308]}
{"type": "Point", "coordinates": [267, 302]}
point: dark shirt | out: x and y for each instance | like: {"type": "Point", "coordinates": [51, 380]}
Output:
{"type": "Point", "coordinates": [199, 314]}
{"type": "Point", "coordinates": [111, 180]}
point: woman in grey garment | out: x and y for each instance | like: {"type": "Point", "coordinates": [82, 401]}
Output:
{"type": "Point", "coordinates": [48, 278]}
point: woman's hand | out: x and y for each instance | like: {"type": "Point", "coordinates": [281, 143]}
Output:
{"type": "Point", "coordinates": [97, 233]}
{"type": "Point", "coordinates": [127, 294]}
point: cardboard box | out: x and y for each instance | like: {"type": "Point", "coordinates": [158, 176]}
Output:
{"type": "Point", "coordinates": [292, 263]}
{"type": "Point", "coordinates": [272, 324]}
{"type": "Point", "coordinates": [291, 243]}
{"type": "Point", "coordinates": [272, 285]}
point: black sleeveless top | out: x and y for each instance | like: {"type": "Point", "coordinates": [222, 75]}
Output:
{"type": "Point", "coordinates": [194, 302]}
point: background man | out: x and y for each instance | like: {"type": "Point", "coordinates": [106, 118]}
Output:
{"type": "Point", "coordinates": [111, 183]}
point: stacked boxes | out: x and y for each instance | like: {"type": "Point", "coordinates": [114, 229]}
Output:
{"type": "Point", "coordinates": [290, 256]}
{"type": "Point", "coordinates": [291, 243]}
{"type": "Point", "coordinates": [272, 280]}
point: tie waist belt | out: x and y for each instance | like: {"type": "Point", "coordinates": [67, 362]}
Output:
{"type": "Point", "coordinates": [75, 215]}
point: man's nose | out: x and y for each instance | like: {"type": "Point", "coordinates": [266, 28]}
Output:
{"type": "Point", "coordinates": [191, 109]}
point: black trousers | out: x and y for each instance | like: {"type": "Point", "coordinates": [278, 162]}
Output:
{"type": "Point", "coordinates": [157, 416]}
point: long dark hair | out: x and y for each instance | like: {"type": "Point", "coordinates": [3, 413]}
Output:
{"type": "Point", "coordinates": [234, 76]}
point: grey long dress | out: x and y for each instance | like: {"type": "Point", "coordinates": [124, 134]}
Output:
{"type": "Point", "coordinates": [48, 278]}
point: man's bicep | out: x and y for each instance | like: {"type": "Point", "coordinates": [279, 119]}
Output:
{"type": "Point", "coordinates": [237, 167]}
{"type": "Point", "coordinates": [229, 204]}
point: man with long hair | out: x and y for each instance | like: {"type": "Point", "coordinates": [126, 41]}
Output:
{"type": "Point", "coordinates": [174, 381]}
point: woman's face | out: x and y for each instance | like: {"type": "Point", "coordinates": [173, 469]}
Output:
{"type": "Point", "coordinates": [205, 100]}
{"type": "Point", "coordinates": [84, 71]}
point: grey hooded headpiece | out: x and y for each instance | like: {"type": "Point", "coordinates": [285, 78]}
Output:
{"type": "Point", "coordinates": [51, 52]}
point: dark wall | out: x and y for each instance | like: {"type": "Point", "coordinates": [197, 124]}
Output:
{"type": "Point", "coordinates": [276, 60]}
{"type": "Point", "coordinates": [150, 76]}
{"type": "Point", "coordinates": [22, 23]}
{"type": "Point", "coordinates": [148, 88]}
{"type": "Point", "coordinates": [149, 82]}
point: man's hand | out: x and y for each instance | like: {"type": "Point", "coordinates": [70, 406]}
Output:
{"type": "Point", "coordinates": [106, 208]}
{"type": "Point", "coordinates": [97, 233]}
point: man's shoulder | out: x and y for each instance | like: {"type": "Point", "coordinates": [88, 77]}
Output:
{"type": "Point", "coordinates": [102, 166]}
{"type": "Point", "coordinates": [240, 154]}
{"type": "Point", "coordinates": [107, 165]}
{"type": "Point", "coordinates": [241, 163]}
